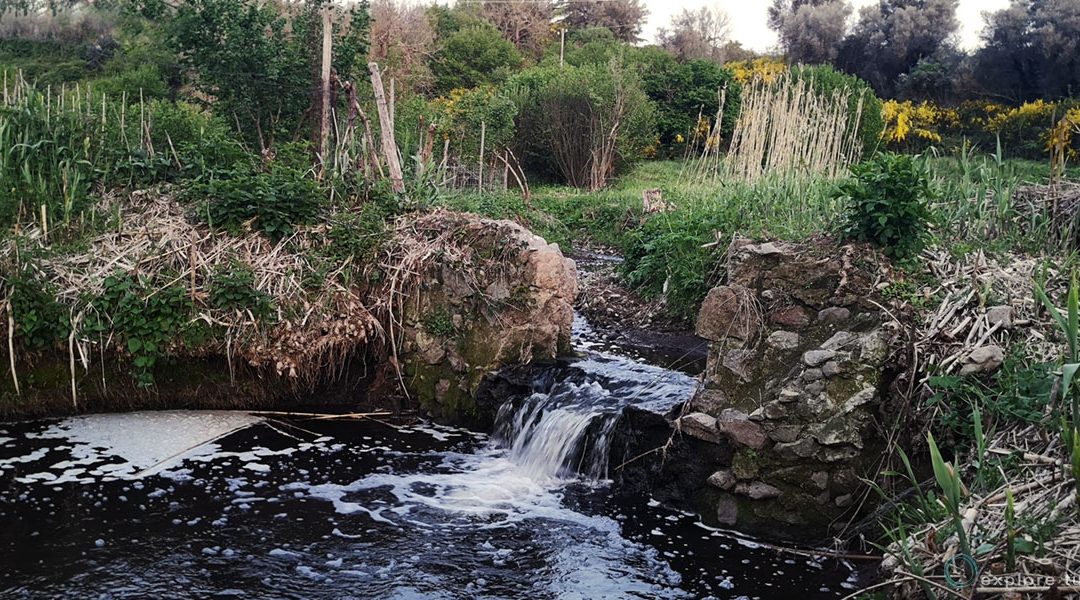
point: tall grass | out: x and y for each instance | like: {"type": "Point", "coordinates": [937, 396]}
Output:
{"type": "Point", "coordinates": [786, 127]}
{"type": "Point", "coordinates": [60, 146]}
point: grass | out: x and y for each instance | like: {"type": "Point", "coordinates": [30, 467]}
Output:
{"type": "Point", "coordinates": [678, 254]}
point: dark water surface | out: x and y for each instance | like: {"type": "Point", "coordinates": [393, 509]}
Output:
{"type": "Point", "coordinates": [140, 506]}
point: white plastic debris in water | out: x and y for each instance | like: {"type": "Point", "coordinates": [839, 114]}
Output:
{"type": "Point", "coordinates": [145, 442]}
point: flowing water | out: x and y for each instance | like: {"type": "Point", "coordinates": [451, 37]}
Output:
{"type": "Point", "coordinates": [204, 504]}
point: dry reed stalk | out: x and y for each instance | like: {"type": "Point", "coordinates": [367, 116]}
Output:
{"type": "Point", "coordinates": [786, 127]}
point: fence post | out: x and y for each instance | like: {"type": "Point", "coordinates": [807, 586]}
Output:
{"type": "Point", "coordinates": [386, 126]}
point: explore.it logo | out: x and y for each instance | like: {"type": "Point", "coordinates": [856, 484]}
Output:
{"type": "Point", "coordinates": [961, 571]}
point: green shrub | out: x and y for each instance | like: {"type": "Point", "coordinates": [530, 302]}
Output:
{"type": "Point", "coordinates": [232, 288]}
{"type": "Point", "coordinates": [358, 234]}
{"type": "Point", "coordinates": [887, 204]}
{"type": "Point", "coordinates": [272, 202]}
{"type": "Point", "coordinates": [568, 114]}
{"type": "Point", "coordinates": [147, 319]}
{"type": "Point", "coordinates": [684, 90]}
{"type": "Point", "coordinates": [464, 113]}
{"type": "Point", "coordinates": [474, 56]}
{"type": "Point", "coordinates": [40, 321]}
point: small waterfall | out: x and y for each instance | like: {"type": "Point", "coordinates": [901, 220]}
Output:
{"type": "Point", "coordinates": [561, 432]}
{"type": "Point", "coordinates": [564, 428]}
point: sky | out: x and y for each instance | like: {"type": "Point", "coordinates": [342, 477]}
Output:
{"type": "Point", "coordinates": [748, 18]}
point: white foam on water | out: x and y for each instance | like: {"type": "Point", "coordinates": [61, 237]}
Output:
{"type": "Point", "coordinates": [128, 445]}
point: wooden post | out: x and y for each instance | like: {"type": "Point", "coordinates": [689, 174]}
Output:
{"type": "Point", "coordinates": [392, 102]}
{"type": "Point", "coordinates": [386, 127]}
{"type": "Point", "coordinates": [562, 44]}
{"type": "Point", "coordinates": [483, 135]}
{"type": "Point", "coordinates": [324, 116]}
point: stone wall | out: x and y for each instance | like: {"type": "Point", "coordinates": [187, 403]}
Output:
{"type": "Point", "coordinates": [497, 295]}
{"type": "Point", "coordinates": [801, 357]}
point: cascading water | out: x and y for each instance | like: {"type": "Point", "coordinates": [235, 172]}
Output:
{"type": "Point", "coordinates": [367, 509]}
{"type": "Point", "coordinates": [564, 428]}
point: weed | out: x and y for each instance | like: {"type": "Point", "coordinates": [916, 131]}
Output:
{"type": "Point", "coordinates": [232, 287]}
{"type": "Point", "coordinates": [439, 323]}
{"type": "Point", "coordinates": [887, 204]}
{"type": "Point", "coordinates": [147, 320]}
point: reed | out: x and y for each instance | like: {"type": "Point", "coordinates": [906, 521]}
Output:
{"type": "Point", "coordinates": [786, 127]}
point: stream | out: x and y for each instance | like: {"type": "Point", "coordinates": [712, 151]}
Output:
{"type": "Point", "coordinates": [184, 504]}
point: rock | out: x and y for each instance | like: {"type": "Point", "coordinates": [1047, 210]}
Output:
{"type": "Point", "coordinates": [859, 398]}
{"type": "Point", "coordinates": [839, 340]}
{"type": "Point", "coordinates": [768, 249]}
{"type": "Point", "coordinates": [837, 431]}
{"type": "Point", "coordinates": [789, 395]}
{"type": "Point", "coordinates": [727, 510]}
{"type": "Point", "coordinates": [834, 314]}
{"type": "Point", "coordinates": [738, 427]}
{"type": "Point", "coordinates": [783, 340]}
{"type": "Point", "coordinates": [723, 479]}
{"type": "Point", "coordinates": [873, 350]}
{"type": "Point", "coordinates": [757, 490]}
{"type": "Point", "coordinates": [820, 479]}
{"type": "Point", "coordinates": [728, 311]}
{"type": "Point", "coordinates": [790, 316]}
{"type": "Point", "coordinates": [710, 401]}
{"type": "Point", "coordinates": [785, 433]}
{"type": "Point", "coordinates": [803, 448]}
{"type": "Point", "coordinates": [700, 426]}
{"type": "Point", "coordinates": [812, 374]}
{"type": "Point", "coordinates": [816, 358]}
{"type": "Point", "coordinates": [831, 369]}
{"type": "Point", "coordinates": [985, 359]}
{"type": "Point", "coordinates": [511, 304]}
{"type": "Point", "coordinates": [1000, 314]}
{"type": "Point", "coordinates": [844, 501]}
{"type": "Point", "coordinates": [739, 362]}
{"type": "Point", "coordinates": [775, 411]}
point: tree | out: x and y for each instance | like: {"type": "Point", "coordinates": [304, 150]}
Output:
{"type": "Point", "coordinates": [811, 31]}
{"type": "Point", "coordinates": [525, 23]}
{"type": "Point", "coordinates": [402, 41]}
{"type": "Point", "coordinates": [684, 90]}
{"type": "Point", "coordinates": [474, 56]}
{"type": "Point", "coordinates": [1032, 50]}
{"type": "Point", "coordinates": [891, 36]}
{"type": "Point", "coordinates": [258, 60]}
{"type": "Point", "coordinates": [702, 33]}
{"type": "Point", "coordinates": [625, 18]}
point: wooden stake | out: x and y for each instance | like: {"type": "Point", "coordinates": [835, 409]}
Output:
{"type": "Point", "coordinates": [483, 135]}
{"type": "Point", "coordinates": [562, 45]}
{"type": "Point", "coordinates": [386, 125]}
{"type": "Point", "coordinates": [327, 56]}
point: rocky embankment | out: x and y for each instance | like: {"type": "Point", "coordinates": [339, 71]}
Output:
{"type": "Point", "coordinates": [498, 296]}
{"type": "Point", "coordinates": [448, 298]}
{"type": "Point", "coordinates": [794, 409]}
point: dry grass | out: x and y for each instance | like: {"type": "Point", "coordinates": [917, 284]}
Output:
{"type": "Point", "coordinates": [316, 328]}
{"type": "Point", "coordinates": [784, 127]}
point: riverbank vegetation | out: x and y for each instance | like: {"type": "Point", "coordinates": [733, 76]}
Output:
{"type": "Point", "coordinates": [186, 178]}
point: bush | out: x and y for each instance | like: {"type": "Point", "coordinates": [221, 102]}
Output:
{"type": "Point", "coordinates": [682, 91]}
{"type": "Point", "coordinates": [41, 322]}
{"type": "Point", "coordinates": [887, 204]}
{"type": "Point", "coordinates": [232, 288]}
{"type": "Point", "coordinates": [827, 81]}
{"type": "Point", "coordinates": [587, 120]}
{"type": "Point", "coordinates": [272, 202]}
{"type": "Point", "coordinates": [465, 113]}
{"type": "Point", "coordinates": [472, 57]}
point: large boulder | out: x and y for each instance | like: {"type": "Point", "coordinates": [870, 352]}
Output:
{"type": "Point", "coordinates": [492, 295]}
{"type": "Point", "coordinates": [801, 353]}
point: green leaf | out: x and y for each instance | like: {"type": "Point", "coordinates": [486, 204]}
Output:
{"type": "Point", "coordinates": [134, 345]}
